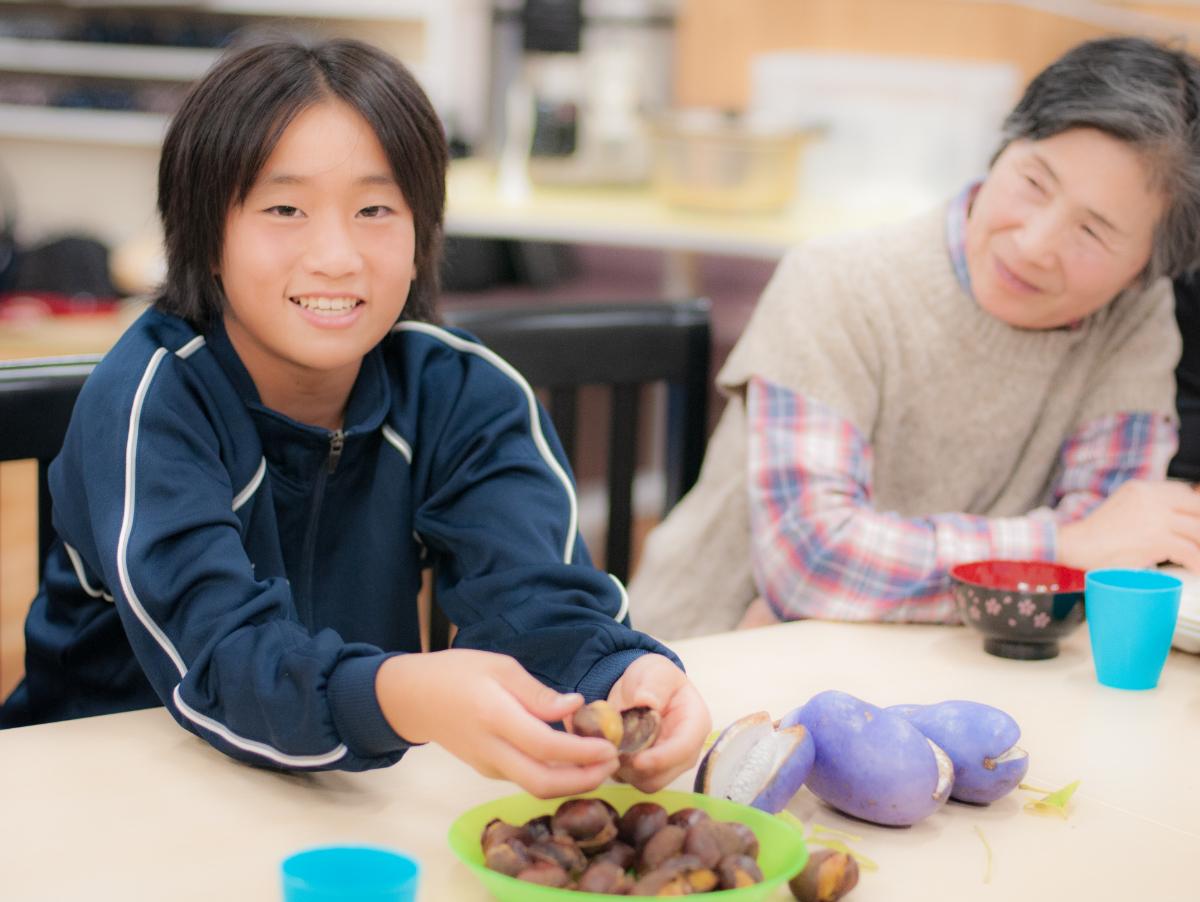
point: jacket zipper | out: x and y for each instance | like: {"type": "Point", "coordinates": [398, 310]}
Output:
{"type": "Point", "coordinates": [336, 442]}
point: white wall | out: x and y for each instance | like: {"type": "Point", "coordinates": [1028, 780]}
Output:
{"type": "Point", "coordinates": [105, 191]}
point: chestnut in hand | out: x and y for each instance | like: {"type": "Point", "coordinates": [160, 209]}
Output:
{"type": "Point", "coordinates": [631, 730]}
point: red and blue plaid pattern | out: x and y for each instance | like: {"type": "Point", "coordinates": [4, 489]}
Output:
{"type": "Point", "coordinates": [820, 549]}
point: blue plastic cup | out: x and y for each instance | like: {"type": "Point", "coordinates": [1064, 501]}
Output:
{"type": "Point", "coordinates": [349, 874]}
{"type": "Point", "coordinates": [1131, 617]}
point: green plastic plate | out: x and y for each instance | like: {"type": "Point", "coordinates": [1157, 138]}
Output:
{"type": "Point", "coordinates": [782, 853]}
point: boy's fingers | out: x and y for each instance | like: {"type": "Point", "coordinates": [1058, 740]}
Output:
{"type": "Point", "coordinates": [539, 699]}
{"type": "Point", "coordinates": [547, 782]}
{"type": "Point", "coordinates": [542, 742]}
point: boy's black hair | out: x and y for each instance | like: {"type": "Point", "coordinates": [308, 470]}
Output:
{"type": "Point", "coordinates": [232, 119]}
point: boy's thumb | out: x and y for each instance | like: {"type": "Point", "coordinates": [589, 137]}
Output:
{"type": "Point", "coordinates": [543, 702]}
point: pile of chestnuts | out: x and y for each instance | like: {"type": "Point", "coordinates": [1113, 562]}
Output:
{"type": "Point", "coordinates": [587, 845]}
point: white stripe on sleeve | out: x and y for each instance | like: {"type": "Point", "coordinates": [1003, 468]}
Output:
{"type": "Point", "coordinates": [135, 604]}
{"type": "Point", "coordinates": [539, 438]}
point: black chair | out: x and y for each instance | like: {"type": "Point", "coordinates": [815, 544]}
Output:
{"type": "Point", "coordinates": [624, 347]}
{"type": "Point", "coordinates": [558, 349]}
{"type": "Point", "coordinates": [36, 400]}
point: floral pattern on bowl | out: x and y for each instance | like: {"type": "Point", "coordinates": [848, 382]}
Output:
{"type": "Point", "coordinates": [1022, 608]}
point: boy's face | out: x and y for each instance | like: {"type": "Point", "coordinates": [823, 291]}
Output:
{"type": "Point", "coordinates": [1060, 227]}
{"type": "Point", "coordinates": [317, 263]}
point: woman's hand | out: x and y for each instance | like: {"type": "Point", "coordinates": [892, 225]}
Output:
{"type": "Point", "coordinates": [487, 710]}
{"type": "Point", "coordinates": [655, 682]}
{"type": "Point", "coordinates": [1141, 524]}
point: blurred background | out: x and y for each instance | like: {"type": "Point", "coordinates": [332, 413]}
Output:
{"type": "Point", "coordinates": [605, 150]}
{"type": "Point", "coordinates": [690, 141]}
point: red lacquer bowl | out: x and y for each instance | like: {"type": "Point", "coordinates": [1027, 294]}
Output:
{"type": "Point", "coordinates": [1022, 607]}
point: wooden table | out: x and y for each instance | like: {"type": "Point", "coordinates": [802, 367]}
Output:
{"type": "Point", "coordinates": [130, 806]}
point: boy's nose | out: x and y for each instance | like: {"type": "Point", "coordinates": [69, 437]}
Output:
{"type": "Point", "coordinates": [332, 252]}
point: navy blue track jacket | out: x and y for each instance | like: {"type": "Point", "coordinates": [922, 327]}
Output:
{"type": "Point", "coordinates": [252, 573]}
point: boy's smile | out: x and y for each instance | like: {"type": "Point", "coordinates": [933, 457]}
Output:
{"type": "Point", "coordinates": [328, 309]}
{"type": "Point", "coordinates": [316, 263]}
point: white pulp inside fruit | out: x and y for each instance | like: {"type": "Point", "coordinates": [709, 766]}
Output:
{"type": "Point", "coordinates": [727, 757]}
{"type": "Point", "coordinates": [750, 761]}
{"type": "Point", "coordinates": [1016, 753]}
{"type": "Point", "coordinates": [945, 771]}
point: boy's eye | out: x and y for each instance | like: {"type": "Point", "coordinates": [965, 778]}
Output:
{"type": "Point", "coordinates": [375, 211]}
{"type": "Point", "coordinates": [1034, 184]}
{"type": "Point", "coordinates": [284, 210]}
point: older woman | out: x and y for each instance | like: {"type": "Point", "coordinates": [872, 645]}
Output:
{"type": "Point", "coordinates": [991, 379]}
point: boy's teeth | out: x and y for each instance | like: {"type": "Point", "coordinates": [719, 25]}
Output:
{"type": "Point", "coordinates": [327, 305]}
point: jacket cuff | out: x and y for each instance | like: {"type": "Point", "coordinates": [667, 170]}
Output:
{"type": "Point", "coordinates": [356, 713]}
{"type": "Point", "coordinates": [598, 681]}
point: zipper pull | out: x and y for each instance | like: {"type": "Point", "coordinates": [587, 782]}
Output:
{"type": "Point", "coordinates": [336, 442]}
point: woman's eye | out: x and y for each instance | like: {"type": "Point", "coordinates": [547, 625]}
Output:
{"type": "Point", "coordinates": [1034, 184]}
{"type": "Point", "coordinates": [284, 210]}
{"type": "Point", "coordinates": [374, 212]}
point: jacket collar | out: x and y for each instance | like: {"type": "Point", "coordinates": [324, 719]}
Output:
{"type": "Point", "coordinates": [370, 400]}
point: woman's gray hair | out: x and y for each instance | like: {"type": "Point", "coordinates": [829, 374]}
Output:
{"type": "Point", "coordinates": [1142, 93]}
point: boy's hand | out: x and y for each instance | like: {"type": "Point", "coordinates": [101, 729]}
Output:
{"type": "Point", "coordinates": [654, 681]}
{"type": "Point", "coordinates": [487, 710]}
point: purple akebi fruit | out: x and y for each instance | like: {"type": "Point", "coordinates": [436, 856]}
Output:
{"type": "Point", "coordinates": [980, 740]}
{"type": "Point", "coordinates": [870, 763]}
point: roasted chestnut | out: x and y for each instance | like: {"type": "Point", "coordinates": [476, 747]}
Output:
{"type": "Point", "coordinates": [737, 871]}
{"type": "Point", "coordinates": [497, 830]}
{"type": "Point", "coordinates": [601, 720]}
{"type": "Point", "coordinates": [641, 726]}
{"type": "Point", "coordinates": [589, 822]}
{"type": "Point", "coordinates": [827, 877]}
{"type": "Point", "coordinates": [510, 857]}
{"type": "Point", "coordinates": [559, 850]}
{"type": "Point", "coordinates": [661, 883]}
{"type": "Point", "coordinates": [544, 873]}
{"type": "Point", "coordinates": [604, 876]}
{"type": "Point", "coordinates": [536, 828]}
{"type": "Point", "coordinates": [665, 844]}
{"type": "Point", "coordinates": [703, 842]}
{"type": "Point", "coordinates": [736, 839]}
{"type": "Point", "coordinates": [686, 817]}
{"type": "Point", "coordinates": [641, 821]}
{"type": "Point", "coordinates": [621, 854]}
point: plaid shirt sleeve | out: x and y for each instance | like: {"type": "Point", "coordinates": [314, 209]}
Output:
{"type": "Point", "coordinates": [821, 549]}
{"type": "Point", "coordinates": [1106, 452]}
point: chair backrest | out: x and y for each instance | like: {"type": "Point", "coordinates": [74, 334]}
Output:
{"type": "Point", "coordinates": [36, 400]}
{"type": "Point", "coordinates": [624, 347]}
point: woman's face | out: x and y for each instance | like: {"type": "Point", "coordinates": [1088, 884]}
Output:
{"type": "Point", "coordinates": [1060, 227]}
{"type": "Point", "coordinates": [317, 263]}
